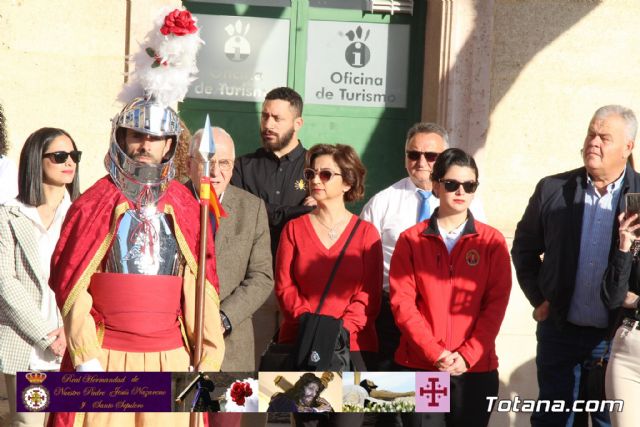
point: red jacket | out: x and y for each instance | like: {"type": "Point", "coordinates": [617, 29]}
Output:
{"type": "Point", "coordinates": [449, 301]}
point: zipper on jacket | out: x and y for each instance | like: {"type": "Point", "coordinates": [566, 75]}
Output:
{"type": "Point", "coordinates": [448, 337]}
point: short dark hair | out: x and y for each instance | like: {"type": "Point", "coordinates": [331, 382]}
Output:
{"type": "Point", "coordinates": [351, 167]}
{"type": "Point", "coordinates": [4, 144]}
{"type": "Point", "coordinates": [287, 94]}
{"type": "Point", "coordinates": [451, 157]}
{"type": "Point", "coordinates": [30, 173]}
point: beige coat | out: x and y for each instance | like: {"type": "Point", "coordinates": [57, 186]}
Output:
{"type": "Point", "coordinates": [245, 272]}
{"type": "Point", "coordinates": [21, 287]}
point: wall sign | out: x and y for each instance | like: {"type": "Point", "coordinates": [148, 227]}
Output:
{"type": "Point", "coordinates": [356, 64]}
{"type": "Point", "coordinates": [243, 57]}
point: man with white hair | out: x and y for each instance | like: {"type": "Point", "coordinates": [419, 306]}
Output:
{"type": "Point", "coordinates": [242, 246]}
{"type": "Point", "coordinates": [561, 249]}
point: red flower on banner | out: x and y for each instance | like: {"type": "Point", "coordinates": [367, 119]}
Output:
{"type": "Point", "coordinates": [179, 22]}
{"type": "Point", "coordinates": [240, 391]}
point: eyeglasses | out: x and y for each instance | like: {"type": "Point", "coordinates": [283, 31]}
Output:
{"type": "Point", "coordinates": [62, 156]}
{"type": "Point", "coordinates": [451, 185]}
{"type": "Point", "coordinates": [225, 165]}
{"type": "Point", "coordinates": [324, 174]}
{"type": "Point", "coordinates": [429, 156]}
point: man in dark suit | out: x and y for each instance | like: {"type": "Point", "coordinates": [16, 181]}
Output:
{"type": "Point", "coordinates": [243, 253]}
{"type": "Point", "coordinates": [571, 221]}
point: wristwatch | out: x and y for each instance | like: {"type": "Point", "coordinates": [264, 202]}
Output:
{"type": "Point", "coordinates": [226, 323]}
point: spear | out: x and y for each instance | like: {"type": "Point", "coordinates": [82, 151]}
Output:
{"type": "Point", "coordinates": [207, 150]}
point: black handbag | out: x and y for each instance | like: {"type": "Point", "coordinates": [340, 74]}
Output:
{"type": "Point", "coordinates": [277, 357]}
{"type": "Point", "coordinates": [323, 343]}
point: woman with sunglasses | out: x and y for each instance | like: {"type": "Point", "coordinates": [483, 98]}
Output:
{"type": "Point", "coordinates": [308, 250]}
{"type": "Point", "coordinates": [31, 333]}
{"type": "Point", "coordinates": [450, 279]}
{"type": "Point", "coordinates": [310, 245]}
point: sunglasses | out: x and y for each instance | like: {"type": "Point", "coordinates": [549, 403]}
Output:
{"type": "Point", "coordinates": [62, 156]}
{"type": "Point", "coordinates": [324, 174]}
{"type": "Point", "coordinates": [451, 185]}
{"type": "Point", "coordinates": [429, 156]}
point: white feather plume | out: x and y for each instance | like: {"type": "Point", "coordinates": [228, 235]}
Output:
{"type": "Point", "coordinates": [164, 66]}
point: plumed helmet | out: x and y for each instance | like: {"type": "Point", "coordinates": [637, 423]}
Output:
{"type": "Point", "coordinates": [146, 115]}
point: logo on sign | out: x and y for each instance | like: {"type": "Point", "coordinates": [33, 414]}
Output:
{"type": "Point", "coordinates": [237, 47]}
{"type": "Point", "coordinates": [433, 392]}
{"type": "Point", "coordinates": [357, 53]}
{"type": "Point", "coordinates": [36, 397]}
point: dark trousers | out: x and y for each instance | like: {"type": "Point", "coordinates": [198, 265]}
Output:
{"type": "Point", "coordinates": [469, 403]}
{"type": "Point", "coordinates": [388, 335]}
{"type": "Point", "coordinates": [563, 360]}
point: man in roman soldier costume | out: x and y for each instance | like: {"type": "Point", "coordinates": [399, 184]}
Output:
{"type": "Point", "coordinates": [125, 266]}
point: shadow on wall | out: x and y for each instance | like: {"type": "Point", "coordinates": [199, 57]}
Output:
{"type": "Point", "coordinates": [514, 32]}
{"type": "Point", "coordinates": [520, 30]}
{"type": "Point", "coordinates": [522, 375]}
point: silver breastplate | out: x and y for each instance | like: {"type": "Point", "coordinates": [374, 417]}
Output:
{"type": "Point", "coordinates": [144, 244]}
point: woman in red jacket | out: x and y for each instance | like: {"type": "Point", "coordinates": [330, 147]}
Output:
{"type": "Point", "coordinates": [450, 279]}
{"type": "Point", "coordinates": [310, 244]}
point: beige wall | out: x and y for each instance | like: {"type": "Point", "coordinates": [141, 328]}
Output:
{"type": "Point", "coordinates": [63, 66]}
{"type": "Point", "coordinates": [554, 64]}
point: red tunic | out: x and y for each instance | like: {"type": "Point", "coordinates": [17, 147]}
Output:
{"type": "Point", "coordinates": [303, 266]}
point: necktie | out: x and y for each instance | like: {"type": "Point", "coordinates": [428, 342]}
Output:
{"type": "Point", "coordinates": [423, 210]}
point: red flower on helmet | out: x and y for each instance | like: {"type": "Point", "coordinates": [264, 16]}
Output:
{"type": "Point", "coordinates": [179, 22]}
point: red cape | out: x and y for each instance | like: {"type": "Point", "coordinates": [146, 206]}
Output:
{"type": "Point", "coordinates": [86, 236]}
{"type": "Point", "coordinates": [89, 228]}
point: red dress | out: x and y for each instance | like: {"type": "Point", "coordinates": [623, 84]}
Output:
{"type": "Point", "coordinates": [303, 265]}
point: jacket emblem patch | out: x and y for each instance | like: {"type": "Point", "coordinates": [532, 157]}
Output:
{"type": "Point", "coordinates": [300, 185]}
{"type": "Point", "coordinates": [472, 257]}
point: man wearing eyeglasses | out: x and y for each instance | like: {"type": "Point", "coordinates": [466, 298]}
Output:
{"type": "Point", "coordinates": [401, 206]}
{"type": "Point", "coordinates": [561, 250]}
{"type": "Point", "coordinates": [243, 257]}
{"type": "Point", "coordinates": [242, 246]}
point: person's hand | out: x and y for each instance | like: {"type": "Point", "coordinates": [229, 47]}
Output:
{"type": "Point", "coordinates": [630, 300]}
{"type": "Point", "coordinates": [541, 312]}
{"type": "Point", "coordinates": [59, 345]}
{"type": "Point", "coordinates": [456, 365]}
{"type": "Point", "coordinates": [441, 364]}
{"type": "Point", "coordinates": [310, 201]}
{"type": "Point", "coordinates": [627, 231]}
{"type": "Point", "coordinates": [322, 405]}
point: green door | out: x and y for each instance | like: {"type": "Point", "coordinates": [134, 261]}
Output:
{"type": "Point", "coordinates": [359, 73]}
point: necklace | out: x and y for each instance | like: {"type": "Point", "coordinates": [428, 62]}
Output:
{"type": "Point", "coordinates": [332, 232]}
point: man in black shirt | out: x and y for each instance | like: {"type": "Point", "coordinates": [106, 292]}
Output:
{"type": "Point", "coordinates": [274, 173]}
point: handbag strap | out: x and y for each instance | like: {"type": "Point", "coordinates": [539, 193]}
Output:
{"type": "Point", "coordinates": [335, 266]}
